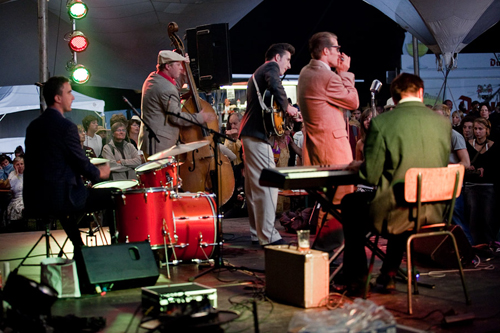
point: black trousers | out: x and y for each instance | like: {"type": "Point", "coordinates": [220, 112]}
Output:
{"type": "Point", "coordinates": [356, 224]}
{"type": "Point", "coordinates": [97, 200]}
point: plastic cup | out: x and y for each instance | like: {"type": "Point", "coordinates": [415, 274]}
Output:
{"type": "Point", "coordinates": [303, 240]}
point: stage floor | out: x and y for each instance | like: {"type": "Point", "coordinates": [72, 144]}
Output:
{"type": "Point", "coordinates": [237, 289]}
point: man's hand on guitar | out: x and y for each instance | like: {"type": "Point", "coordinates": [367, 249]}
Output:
{"type": "Point", "coordinates": [291, 110]}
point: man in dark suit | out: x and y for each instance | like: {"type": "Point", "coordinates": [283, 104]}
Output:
{"type": "Point", "coordinates": [55, 164]}
{"type": "Point", "coordinates": [409, 136]}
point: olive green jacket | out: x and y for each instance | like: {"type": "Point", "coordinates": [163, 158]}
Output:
{"type": "Point", "coordinates": [409, 136]}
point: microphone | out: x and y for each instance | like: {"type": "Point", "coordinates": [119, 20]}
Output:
{"type": "Point", "coordinates": [376, 86]}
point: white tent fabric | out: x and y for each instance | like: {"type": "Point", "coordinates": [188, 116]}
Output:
{"type": "Point", "coordinates": [20, 104]}
{"type": "Point", "coordinates": [444, 26]}
{"type": "Point", "coordinates": [27, 97]}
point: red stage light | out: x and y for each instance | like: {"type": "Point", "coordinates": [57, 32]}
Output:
{"type": "Point", "coordinates": [78, 42]}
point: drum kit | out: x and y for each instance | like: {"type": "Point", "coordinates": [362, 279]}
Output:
{"type": "Point", "coordinates": [151, 208]}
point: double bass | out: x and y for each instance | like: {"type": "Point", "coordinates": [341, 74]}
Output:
{"type": "Point", "coordinates": [198, 170]}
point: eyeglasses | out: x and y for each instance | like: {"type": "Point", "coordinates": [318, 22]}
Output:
{"type": "Point", "coordinates": [121, 130]}
{"type": "Point", "coordinates": [335, 47]}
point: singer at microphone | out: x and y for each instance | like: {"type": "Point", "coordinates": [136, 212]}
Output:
{"type": "Point", "coordinates": [322, 95]}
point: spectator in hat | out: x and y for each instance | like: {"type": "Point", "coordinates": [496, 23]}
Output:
{"type": "Point", "coordinates": [133, 129]}
{"type": "Point", "coordinates": [104, 134]}
{"type": "Point", "coordinates": [389, 105]}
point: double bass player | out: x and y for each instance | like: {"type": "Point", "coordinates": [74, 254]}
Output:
{"type": "Point", "coordinates": [160, 94]}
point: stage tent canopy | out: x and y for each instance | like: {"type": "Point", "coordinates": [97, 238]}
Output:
{"type": "Point", "coordinates": [19, 105]}
{"type": "Point", "coordinates": [444, 26]}
{"type": "Point", "coordinates": [124, 36]}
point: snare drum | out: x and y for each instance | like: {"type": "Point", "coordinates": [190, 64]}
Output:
{"type": "Point", "coordinates": [193, 231]}
{"type": "Point", "coordinates": [143, 214]}
{"type": "Point", "coordinates": [119, 184]}
{"type": "Point", "coordinates": [161, 173]}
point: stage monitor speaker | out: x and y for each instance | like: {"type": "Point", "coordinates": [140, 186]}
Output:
{"type": "Point", "coordinates": [126, 265]}
{"type": "Point", "coordinates": [212, 60]}
{"type": "Point", "coordinates": [439, 251]}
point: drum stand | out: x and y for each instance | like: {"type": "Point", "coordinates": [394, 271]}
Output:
{"type": "Point", "coordinates": [91, 233]}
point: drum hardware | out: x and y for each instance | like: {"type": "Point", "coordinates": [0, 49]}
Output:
{"type": "Point", "coordinates": [93, 230]}
{"type": "Point", "coordinates": [200, 237]}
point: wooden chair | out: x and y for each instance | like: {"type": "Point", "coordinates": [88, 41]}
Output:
{"type": "Point", "coordinates": [432, 186]}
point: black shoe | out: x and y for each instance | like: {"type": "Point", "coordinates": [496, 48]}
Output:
{"type": "Point", "coordinates": [255, 242]}
{"type": "Point", "coordinates": [387, 281]}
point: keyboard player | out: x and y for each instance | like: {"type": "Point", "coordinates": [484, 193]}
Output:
{"type": "Point", "coordinates": [408, 136]}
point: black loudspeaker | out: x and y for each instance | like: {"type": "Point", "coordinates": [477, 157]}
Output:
{"type": "Point", "coordinates": [127, 265]}
{"type": "Point", "coordinates": [439, 251]}
{"type": "Point", "coordinates": [209, 52]}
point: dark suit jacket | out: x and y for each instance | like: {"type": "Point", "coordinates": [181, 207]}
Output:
{"type": "Point", "coordinates": [54, 164]}
{"type": "Point", "coordinates": [410, 136]}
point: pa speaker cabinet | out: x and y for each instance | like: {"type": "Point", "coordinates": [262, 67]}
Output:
{"type": "Point", "coordinates": [212, 63]}
{"type": "Point", "coordinates": [126, 265]}
{"type": "Point", "coordinates": [297, 278]}
{"type": "Point", "coordinates": [439, 250]}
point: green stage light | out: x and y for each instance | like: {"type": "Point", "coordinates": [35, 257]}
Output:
{"type": "Point", "coordinates": [77, 9]}
{"type": "Point", "coordinates": [80, 74]}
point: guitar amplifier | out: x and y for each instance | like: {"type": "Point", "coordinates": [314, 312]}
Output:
{"type": "Point", "coordinates": [297, 278]}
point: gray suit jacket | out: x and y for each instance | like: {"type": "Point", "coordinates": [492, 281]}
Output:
{"type": "Point", "coordinates": [159, 96]}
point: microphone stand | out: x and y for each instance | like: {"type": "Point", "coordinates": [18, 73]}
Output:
{"type": "Point", "coordinates": [219, 262]}
{"type": "Point", "coordinates": [151, 133]}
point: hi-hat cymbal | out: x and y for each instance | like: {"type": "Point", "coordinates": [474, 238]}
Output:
{"type": "Point", "coordinates": [97, 160]}
{"type": "Point", "coordinates": [178, 149]}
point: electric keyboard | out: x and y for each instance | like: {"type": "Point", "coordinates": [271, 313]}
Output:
{"type": "Point", "coordinates": [308, 177]}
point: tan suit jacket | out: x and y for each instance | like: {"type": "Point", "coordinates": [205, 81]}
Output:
{"type": "Point", "coordinates": [159, 96]}
{"type": "Point", "coordinates": [321, 95]}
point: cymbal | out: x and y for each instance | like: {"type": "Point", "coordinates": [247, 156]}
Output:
{"type": "Point", "coordinates": [178, 149]}
{"type": "Point", "coordinates": [97, 160]}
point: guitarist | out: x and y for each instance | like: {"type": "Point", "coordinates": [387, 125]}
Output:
{"type": "Point", "coordinates": [256, 142]}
